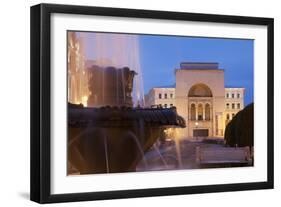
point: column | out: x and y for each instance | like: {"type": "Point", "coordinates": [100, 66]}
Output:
{"type": "Point", "coordinates": [196, 112]}
{"type": "Point", "coordinates": [189, 112]}
{"type": "Point", "coordinates": [203, 112]}
{"type": "Point", "coordinates": [220, 124]}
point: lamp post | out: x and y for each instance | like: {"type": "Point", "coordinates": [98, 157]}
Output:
{"type": "Point", "coordinates": [196, 126]}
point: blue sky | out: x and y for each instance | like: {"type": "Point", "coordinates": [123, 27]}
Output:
{"type": "Point", "coordinates": [160, 55]}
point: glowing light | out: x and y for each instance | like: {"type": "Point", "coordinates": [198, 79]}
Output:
{"type": "Point", "coordinates": [77, 74]}
{"type": "Point", "coordinates": [120, 50]}
{"type": "Point", "coordinates": [85, 101]}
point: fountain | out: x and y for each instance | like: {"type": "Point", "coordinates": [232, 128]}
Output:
{"type": "Point", "coordinates": [110, 86]}
{"type": "Point", "coordinates": [110, 131]}
{"type": "Point", "coordinates": [109, 135]}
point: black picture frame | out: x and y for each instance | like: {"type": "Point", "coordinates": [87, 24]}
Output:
{"type": "Point", "coordinates": [41, 96]}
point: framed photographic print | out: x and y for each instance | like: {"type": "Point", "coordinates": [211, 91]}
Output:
{"type": "Point", "coordinates": [132, 103]}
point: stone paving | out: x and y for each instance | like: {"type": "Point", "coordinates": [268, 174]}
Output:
{"type": "Point", "coordinates": [167, 157]}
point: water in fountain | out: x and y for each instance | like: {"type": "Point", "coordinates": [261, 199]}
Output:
{"type": "Point", "coordinates": [117, 50]}
{"type": "Point", "coordinates": [155, 147]}
{"type": "Point", "coordinates": [77, 77]}
{"type": "Point", "coordinates": [109, 52]}
{"type": "Point", "coordinates": [106, 153]}
{"type": "Point", "coordinates": [178, 152]}
{"type": "Point", "coordinates": [138, 144]}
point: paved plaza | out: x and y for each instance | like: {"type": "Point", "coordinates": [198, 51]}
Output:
{"type": "Point", "coordinates": [171, 155]}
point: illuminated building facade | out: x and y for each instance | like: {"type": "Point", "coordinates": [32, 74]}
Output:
{"type": "Point", "coordinates": [77, 74]}
{"type": "Point", "coordinates": [201, 98]}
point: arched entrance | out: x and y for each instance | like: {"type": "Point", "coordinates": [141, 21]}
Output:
{"type": "Point", "coordinates": [200, 90]}
{"type": "Point", "coordinates": [200, 104]}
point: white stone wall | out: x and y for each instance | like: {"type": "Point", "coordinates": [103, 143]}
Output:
{"type": "Point", "coordinates": [214, 80]}
{"type": "Point", "coordinates": [165, 101]}
{"type": "Point", "coordinates": [234, 102]}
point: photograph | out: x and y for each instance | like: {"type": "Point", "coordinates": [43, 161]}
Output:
{"type": "Point", "coordinates": [151, 102]}
{"type": "Point", "coordinates": [129, 103]}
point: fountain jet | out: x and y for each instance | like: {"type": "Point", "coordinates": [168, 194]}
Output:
{"type": "Point", "coordinates": [113, 136]}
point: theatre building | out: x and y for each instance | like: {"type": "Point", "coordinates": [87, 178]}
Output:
{"type": "Point", "coordinates": [201, 98]}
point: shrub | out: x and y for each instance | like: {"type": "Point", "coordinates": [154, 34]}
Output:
{"type": "Point", "coordinates": [240, 130]}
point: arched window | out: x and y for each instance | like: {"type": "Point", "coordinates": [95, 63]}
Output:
{"type": "Point", "coordinates": [227, 117]}
{"type": "Point", "coordinates": [200, 90]}
{"type": "Point", "coordinates": [200, 112]}
{"type": "Point", "coordinates": [207, 112]}
{"type": "Point", "coordinates": [192, 112]}
{"type": "Point", "coordinates": [227, 106]}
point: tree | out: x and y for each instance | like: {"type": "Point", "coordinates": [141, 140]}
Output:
{"type": "Point", "coordinates": [240, 130]}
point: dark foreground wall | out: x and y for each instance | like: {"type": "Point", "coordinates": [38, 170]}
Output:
{"type": "Point", "coordinates": [240, 130]}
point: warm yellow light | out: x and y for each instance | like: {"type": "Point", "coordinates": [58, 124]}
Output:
{"type": "Point", "coordinates": [84, 101]}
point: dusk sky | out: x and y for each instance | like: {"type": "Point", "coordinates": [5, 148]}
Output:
{"type": "Point", "coordinates": [161, 55]}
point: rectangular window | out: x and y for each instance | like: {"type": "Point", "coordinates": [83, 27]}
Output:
{"type": "Point", "coordinates": [160, 95]}
{"type": "Point", "coordinates": [238, 95]}
{"type": "Point", "coordinates": [238, 106]}
{"type": "Point", "coordinates": [233, 106]}
{"type": "Point", "coordinates": [165, 95]}
{"type": "Point", "coordinates": [165, 105]}
{"type": "Point", "coordinates": [171, 105]}
{"type": "Point", "coordinates": [227, 105]}
{"type": "Point", "coordinates": [227, 95]}
{"type": "Point", "coordinates": [232, 95]}
{"type": "Point", "coordinates": [171, 95]}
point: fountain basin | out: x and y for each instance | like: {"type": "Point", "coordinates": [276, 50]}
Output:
{"type": "Point", "coordinates": [110, 135]}
{"type": "Point", "coordinates": [114, 139]}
